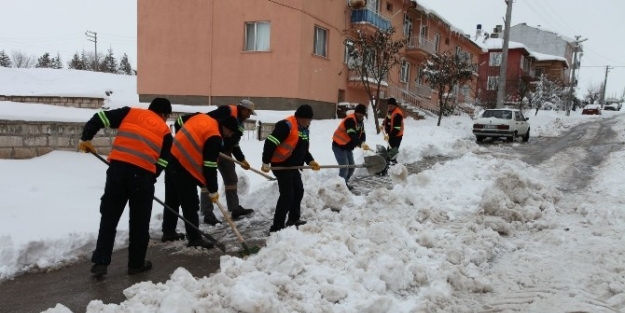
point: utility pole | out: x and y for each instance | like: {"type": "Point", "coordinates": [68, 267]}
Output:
{"type": "Point", "coordinates": [93, 37]}
{"type": "Point", "coordinates": [605, 83]}
{"type": "Point", "coordinates": [573, 82]}
{"type": "Point", "coordinates": [503, 69]}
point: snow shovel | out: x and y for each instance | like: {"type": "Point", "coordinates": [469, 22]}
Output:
{"type": "Point", "coordinates": [210, 238]}
{"type": "Point", "coordinates": [247, 251]}
{"type": "Point", "coordinates": [269, 177]}
{"type": "Point", "coordinates": [373, 163]}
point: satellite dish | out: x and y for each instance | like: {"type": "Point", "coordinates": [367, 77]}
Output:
{"type": "Point", "coordinates": [357, 4]}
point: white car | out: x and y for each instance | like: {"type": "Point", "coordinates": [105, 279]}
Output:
{"type": "Point", "coordinates": [495, 123]}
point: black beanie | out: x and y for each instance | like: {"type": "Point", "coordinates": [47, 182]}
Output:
{"type": "Point", "coordinates": [230, 122]}
{"type": "Point", "coordinates": [361, 108]}
{"type": "Point", "coordinates": [392, 101]}
{"type": "Point", "coordinates": [160, 105]}
{"type": "Point", "coordinates": [304, 111]}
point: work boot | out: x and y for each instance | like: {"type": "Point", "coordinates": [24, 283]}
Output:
{"type": "Point", "coordinates": [240, 211]}
{"type": "Point", "coordinates": [274, 229]}
{"type": "Point", "coordinates": [297, 223]}
{"type": "Point", "coordinates": [211, 219]}
{"type": "Point", "coordinates": [98, 270]}
{"type": "Point", "coordinates": [172, 237]}
{"type": "Point", "coordinates": [200, 243]}
{"type": "Point", "coordinates": [147, 265]}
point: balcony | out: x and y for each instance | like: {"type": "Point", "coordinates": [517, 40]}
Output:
{"type": "Point", "coordinates": [366, 16]}
{"type": "Point", "coordinates": [421, 90]}
{"type": "Point", "coordinates": [418, 45]}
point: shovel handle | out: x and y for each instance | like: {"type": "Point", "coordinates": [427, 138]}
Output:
{"type": "Point", "coordinates": [226, 215]}
{"type": "Point", "coordinates": [269, 177]}
{"type": "Point", "coordinates": [303, 167]}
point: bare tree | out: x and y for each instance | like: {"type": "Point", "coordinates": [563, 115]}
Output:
{"type": "Point", "coordinates": [22, 60]}
{"type": "Point", "coordinates": [442, 72]}
{"type": "Point", "coordinates": [593, 93]}
{"type": "Point", "coordinates": [374, 56]}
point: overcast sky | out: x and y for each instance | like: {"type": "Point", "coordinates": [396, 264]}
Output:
{"type": "Point", "coordinates": [37, 26]}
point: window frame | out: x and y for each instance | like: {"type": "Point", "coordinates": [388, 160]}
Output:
{"type": "Point", "coordinates": [404, 72]}
{"type": "Point", "coordinates": [495, 58]}
{"type": "Point", "coordinates": [492, 83]}
{"type": "Point", "coordinates": [325, 43]}
{"type": "Point", "coordinates": [255, 47]}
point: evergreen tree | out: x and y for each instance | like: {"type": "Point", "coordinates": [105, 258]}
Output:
{"type": "Point", "coordinates": [87, 63]}
{"type": "Point", "coordinates": [5, 60]}
{"type": "Point", "coordinates": [76, 63]}
{"type": "Point", "coordinates": [124, 66]}
{"type": "Point", "coordinates": [44, 61]}
{"type": "Point", "coordinates": [56, 62]}
{"type": "Point", "coordinates": [110, 63]}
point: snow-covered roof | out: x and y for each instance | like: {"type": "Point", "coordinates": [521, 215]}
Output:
{"type": "Point", "coordinates": [548, 57]}
{"type": "Point", "coordinates": [565, 38]}
{"type": "Point", "coordinates": [497, 43]}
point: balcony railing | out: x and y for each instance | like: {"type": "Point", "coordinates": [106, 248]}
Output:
{"type": "Point", "coordinates": [371, 17]}
{"type": "Point", "coordinates": [417, 42]}
{"type": "Point", "coordinates": [421, 90]}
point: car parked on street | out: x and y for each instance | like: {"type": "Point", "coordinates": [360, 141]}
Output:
{"type": "Point", "coordinates": [592, 109]}
{"type": "Point", "coordinates": [496, 123]}
{"type": "Point", "coordinates": [612, 107]}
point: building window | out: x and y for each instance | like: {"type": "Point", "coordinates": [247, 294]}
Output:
{"type": "Point", "coordinates": [389, 6]}
{"type": "Point", "coordinates": [405, 72]}
{"type": "Point", "coordinates": [419, 79]}
{"type": "Point", "coordinates": [424, 31]}
{"type": "Point", "coordinates": [458, 50]}
{"type": "Point", "coordinates": [492, 83]}
{"type": "Point", "coordinates": [257, 35]}
{"type": "Point", "coordinates": [408, 22]}
{"type": "Point", "coordinates": [321, 42]}
{"type": "Point", "coordinates": [538, 72]}
{"type": "Point", "coordinates": [437, 42]}
{"type": "Point", "coordinates": [494, 59]}
{"type": "Point", "coordinates": [349, 47]}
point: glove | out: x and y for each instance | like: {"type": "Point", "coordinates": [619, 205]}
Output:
{"type": "Point", "coordinates": [380, 128]}
{"type": "Point", "coordinates": [365, 147]}
{"type": "Point", "coordinates": [86, 147]}
{"type": "Point", "coordinates": [214, 196]}
{"type": "Point", "coordinates": [314, 165]}
{"type": "Point", "coordinates": [385, 137]}
{"type": "Point", "coordinates": [245, 165]}
{"type": "Point", "coordinates": [265, 168]}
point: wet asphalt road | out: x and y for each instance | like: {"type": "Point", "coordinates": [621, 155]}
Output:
{"type": "Point", "coordinates": [73, 286]}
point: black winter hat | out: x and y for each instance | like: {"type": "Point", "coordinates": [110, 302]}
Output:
{"type": "Point", "coordinates": [392, 101]}
{"type": "Point", "coordinates": [230, 122]}
{"type": "Point", "coordinates": [304, 111]}
{"type": "Point", "coordinates": [160, 105]}
{"type": "Point", "coordinates": [361, 108]}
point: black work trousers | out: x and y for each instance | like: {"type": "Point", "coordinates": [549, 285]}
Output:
{"type": "Point", "coordinates": [181, 192]}
{"type": "Point", "coordinates": [291, 194]}
{"type": "Point", "coordinates": [125, 183]}
{"type": "Point", "coordinates": [394, 142]}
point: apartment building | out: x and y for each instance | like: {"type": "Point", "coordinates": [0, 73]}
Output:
{"type": "Point", "coordinates": [282, 53]}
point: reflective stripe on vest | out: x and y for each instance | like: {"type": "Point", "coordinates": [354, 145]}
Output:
{"type": "Point", "coordinates": [188, 145]}
{"type": "Point", "coordinates": [341, 134]}
{"type": "Point", "coordinates": [139, 139]}
{"type": "Point", "coordinates": [285, 149]}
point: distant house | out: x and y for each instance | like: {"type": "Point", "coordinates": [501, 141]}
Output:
{"type": "Point", "coordinates": [281, 55]}
{"type": "Point", "coordinates": [542, 40]}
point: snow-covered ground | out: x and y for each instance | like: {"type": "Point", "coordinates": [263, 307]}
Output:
{"type": "Point", "coordinates": [476, 228]}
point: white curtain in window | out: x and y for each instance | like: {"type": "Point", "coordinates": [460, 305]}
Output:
{"type": "Point", "coordinates": [320, 41]}
{"type": "Point", "coordinates": [263, 31]}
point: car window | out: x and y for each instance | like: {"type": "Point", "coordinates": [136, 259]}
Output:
{"type": "Point", "coordinates": [498, 114]}
{"type": "Point", "coordinates": [522, 117]}
{"type": "Point", "coordinates": [517, 116]}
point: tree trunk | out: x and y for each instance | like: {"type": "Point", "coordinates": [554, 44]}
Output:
{"type": "Point", "coordinates": [441, 105]}
{"type": "Point", "coordinates": [375, 109]}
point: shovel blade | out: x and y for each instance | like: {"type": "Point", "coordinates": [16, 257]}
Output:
{"type": "Point", "coordinates": [375, 164]}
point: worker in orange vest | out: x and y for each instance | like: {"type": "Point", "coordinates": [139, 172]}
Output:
{"type": "Point", "coordinates": [193, 163]}
{"type": "Point", "coordinates": [288, 145]}
{"type": "Point", "coordinates": [394, 128]}
{"type": "Point", "coordinates": [140, 153]}
{"type": "Point", "coordinates": [348, 135]}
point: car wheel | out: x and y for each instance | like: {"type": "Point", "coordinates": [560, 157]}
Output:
{"type": "Point", "coordinates": [510, 139]}
{"type": "Point", "coordinates": [526, 137]}
{"type": "Point", "coordinates": [479, 138]}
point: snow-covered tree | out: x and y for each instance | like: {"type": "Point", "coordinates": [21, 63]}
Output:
{"type": "Point", "coordinates": [22, 60]}
{"type": "Point", "coordinates": [109, 63]}
{"type": "Point", "coordinates": [86, 60]}
{"type": "Point", "coordinates": [547, 93]}
{"type": "Point", "coordinates": [56, 62]}
{"type": "Point", "coordinates": [124, 66]}
{"type": "Point", "coordinates": [76, 63]}
{"type": "Point", "coordinates": [5, 60]}
{"type": "Point", "coordinates": [372, 56]}
{"type": "Point", "coordinates": [442, 72]}
{"type": "Point", "coordinates": [593, 93]}
{"type": "Point", "coordinates": [44, 61]}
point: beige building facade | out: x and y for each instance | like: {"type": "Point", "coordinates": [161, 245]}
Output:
{"type": "Point", "coordinates": [281, 53]}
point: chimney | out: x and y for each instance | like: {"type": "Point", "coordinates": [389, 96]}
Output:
{"type": "Point", "coordinates": [499, 29]}
{"type": "Point", "coordinates": [478, 32]}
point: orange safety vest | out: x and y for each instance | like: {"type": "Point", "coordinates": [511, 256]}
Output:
{"type": "Point", "coordinates": [234, 111]}
{"type": "Point", "coordinates": [139, 139]}
{"type": "Point", "coordinates": [285, 148]}
{"type": "Point", "coordinates": [389, 122]}
{"type": "Point", "coordinates": [188, 145]}
{"type": "Point", "coordinates": [340, 134]}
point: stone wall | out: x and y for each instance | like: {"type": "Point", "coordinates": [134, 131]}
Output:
{"type": "Point", "coordinates": [26, 139]}
{"type": "Point", "coordinates": [76, 102]}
